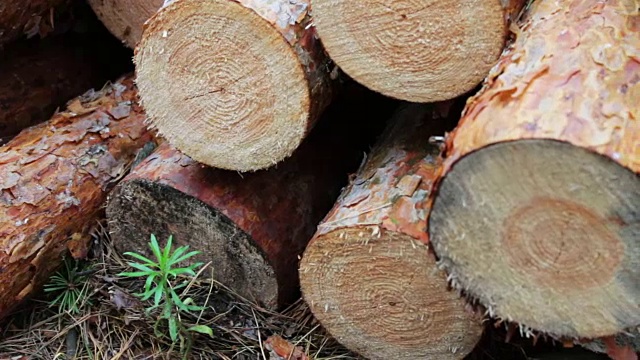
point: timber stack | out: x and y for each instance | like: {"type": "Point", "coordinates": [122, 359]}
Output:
{"type": "Point", "coordinates": [412, 170]}
{"type": "Point", "coordinates": [252, 227]}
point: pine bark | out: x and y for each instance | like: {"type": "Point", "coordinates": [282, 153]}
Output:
{"type": "Point", "coordinates": [38, 77]}
{"type": "Point", "coordinates": [539, 194]}
{"type": "Point", "coordinates": [125, 18]}
{"type": "Point", "coordinates": [54, 179]}
{"type": "Point", "coordinates": [368, 275]}
{"type": "Point", "coordinates": [228, 86]}
{"type": "Point", "coordinates": [27, 18]}
{"type": "Point", "coordinates": [418, 51]}
{"type": "Point", "coordinates": [252, 227]}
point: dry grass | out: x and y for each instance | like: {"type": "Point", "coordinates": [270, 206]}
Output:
{"type": "Point", "coordinates": [112, 324]}
{"type": "Point", "coordinates": [115, 326]}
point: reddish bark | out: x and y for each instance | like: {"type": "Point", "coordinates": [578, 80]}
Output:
{"type": "Point", "coordinates": [367, 274]}
{"type": "Point", "coordinates": [538, 196]}
{"type": "Point", "coordinates": [253, 227]}
{"type": "Point", "coordinates": [54, 177]}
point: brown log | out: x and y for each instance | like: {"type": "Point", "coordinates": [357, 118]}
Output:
{"type": "Point", "coordinates": [419, 51]}
{"type": "Point", "coordinates": [537, 210]}
{"type": "Point", "coordinates": [54, 178]}
{"type": "Point", "coordinates": [27, 18]}
{"type": "Point", "coordinates": [125, 18]}
{"type": "Point", "coordinates": [367, 274]}
{"type": "Point", "coordinates": [233, 84]}
{"type": "Point", "coordinates": [252, 227]}
{"type": "Point", "coordinates": [37, 77]}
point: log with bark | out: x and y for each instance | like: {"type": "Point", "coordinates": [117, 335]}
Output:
{"type": "Point", "coordinates": [233, 84]}
{"type": "Point", "coordinates": [54, 178]}
{"type": "Point", "coordinates": [37, 77]}
{"type": "Point", "coordinates": [253, 226]}
{"type": "Point", "coordinates": [537, 211]}
{"type": "Point", "coordinates": [125, 18]}
{"type": "Point", "coordinates": [26, 18]}
{"type": "Point", "coordinates": [368, 275]}
{"type": "Point", "coordinates": [419, 51]}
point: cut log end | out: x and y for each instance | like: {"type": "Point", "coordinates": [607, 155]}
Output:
{"type": "Point", "coordinates": [388, 302]}
{"type": "Point", "coordinates": [223, 85]}
{"type": "Point", "coordinates": [140, 208]}
{"type": "Point", "coordinates": [550, 224]}
{"type": "Point", "coordinates": [125, 19]}
{"type": "Point", "coordinates": [413, 50]}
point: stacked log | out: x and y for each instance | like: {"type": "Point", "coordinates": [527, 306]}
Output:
{"type": "Point", "coordinates": [55, 177]}
{"type": "Point", "coordinates": [368, 275]}
{"type": "Point", "coordinates": [37, 77]}
{"type": "Point", "coordinates": [124, 18]}
{"type": "Point", "coordinates": [233, 84]}
{"type": "Point", "coordinates": [252, 227]}
{"type": "Point", "coordinates": [27, 18]}
{"type": "Point", "coordinates": [536, 211]}
{"type": "Point", "coordinates": [420, 51]}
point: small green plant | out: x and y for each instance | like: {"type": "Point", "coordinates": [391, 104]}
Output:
{"type": "Point", "coordinates": [159, 274]}
{"type": "Point", "coordinates": [73, 287]}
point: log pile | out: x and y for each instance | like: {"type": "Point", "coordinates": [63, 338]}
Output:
{"type": "Point", "coordinates": [252, 227]}
{"type": "Point", "coordinates": [410, 169]}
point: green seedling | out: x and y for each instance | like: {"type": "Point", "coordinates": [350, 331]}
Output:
{"type": "Point", "coordinates": [159, 274]}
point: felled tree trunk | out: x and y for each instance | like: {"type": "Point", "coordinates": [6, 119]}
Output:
{"type": "Point", "coordinates": [19, 18]}
{"type": "Point", "coordinates": [233, 84]}
{"type": "Point", "coordinates": [539, 196]}
{"type": "Point", "coordinates": [38, 77]}
{"type": "Point", "coordinates": [368, 276]}
{"type": "Point", "coordinates": [54, 178]}
{"type": "Point", "coordinates": [419, 51]}
{"type": "Point", "coordinates": [125, 18]}
{"type": "Point", "coordinates": [252, 227]}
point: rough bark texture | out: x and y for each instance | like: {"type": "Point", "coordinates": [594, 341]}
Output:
{"type": "Point", "coordinates": [233, 84]}
{"type": "Point", "coordinates": [38, 77]}
{"type": "Point", "coordinates": [125, 18]}
{"type": "Point", "coordinates": [27, 18]}
{"type": "Point", "coordinates": [54, 178]}
{"type": "Point", "coordinates": [536, 213]}
{"type": "Point", "coordinates": [253, 227]}
{"type": "Point", "coordinates": [368, 275]}
{"type": "Point", "coordinates": [419, 51]}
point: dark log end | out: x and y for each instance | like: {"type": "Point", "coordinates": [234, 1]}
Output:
{"type": "Point", "coordinates": [544, 234]}
{"type": "Point", "coordinates": [139, 208]}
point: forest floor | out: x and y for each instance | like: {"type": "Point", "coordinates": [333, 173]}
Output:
{"type": "Point", "coordinates": [110, 322]}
